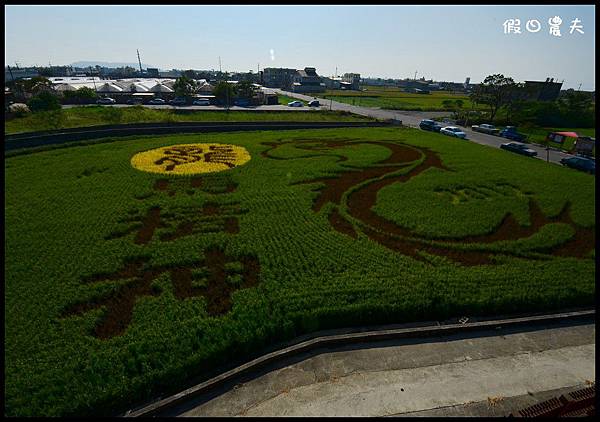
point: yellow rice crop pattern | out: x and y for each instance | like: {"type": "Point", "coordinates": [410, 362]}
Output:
{"type": "Point", "coordinates": [191, 158]}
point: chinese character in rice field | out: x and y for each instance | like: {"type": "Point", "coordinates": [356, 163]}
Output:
{"type": "Point", "coordinates": [221, 154]}
{"type": "Point", "coordinates": [191, 159]}
{"type": "Point", "coordinates": [182, 221]}
{"type": "Point", "coordinates": [180, 155]}
{"type": "Point", "coordinates": [215, 278]}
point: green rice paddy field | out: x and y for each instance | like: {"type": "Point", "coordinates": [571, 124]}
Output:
{"type": "Point", "coordinates": [396, 99]}
{"type": "Point", "coordinates": [121, 285]}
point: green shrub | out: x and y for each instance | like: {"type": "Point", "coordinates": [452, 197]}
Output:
{"type": "Point", "coordinates": [44, 101]}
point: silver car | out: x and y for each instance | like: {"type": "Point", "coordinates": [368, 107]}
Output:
{"type": "Point", "coordinates": [106, 100]}
{"type": "Point", "coordinates": [201, 102]}
{"type": "Point", "coordinates": [453, 131]}
{"type": "Point", "coordinates": [486, 128]}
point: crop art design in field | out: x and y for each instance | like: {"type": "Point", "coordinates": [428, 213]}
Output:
{"type": "Point", "coordinates": [353, 193]}
{"type": "Point", "coordinates": [191, 158]}
{"type": "Point", "coordinates": [216, 277]}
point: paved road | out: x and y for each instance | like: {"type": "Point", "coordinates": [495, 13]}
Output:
{"type": "Point", "coordinates": [412, 118]}
{"type": "Point", "coordinates": [448, 375]}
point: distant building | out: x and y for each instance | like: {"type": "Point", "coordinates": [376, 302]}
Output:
{"type": "Point", "coordinates": [174, 73]}
{"type": "Point", "coordinates": [543, 91]}
{"type": "Point", "coordinates": [274, 77]}
{"type": "Point", "coordinates": [19, 73]}
{"type": "Point", "coordinates": [351, 81]}
{"type": "Point", "coordinates": [307, 80]}
{"type": "Point", "coordinates": [152, 72]}
{"type": "Point", "coordinates": [331, 83]}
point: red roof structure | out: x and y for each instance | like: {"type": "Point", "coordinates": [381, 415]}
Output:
{"type": "Point", "coordinates": [568, 134]}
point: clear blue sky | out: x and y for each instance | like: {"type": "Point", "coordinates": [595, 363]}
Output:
{"type": "Point", "coordinates": [440, 42]}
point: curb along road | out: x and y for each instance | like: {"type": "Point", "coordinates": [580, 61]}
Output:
{"type": "Point", "coordinates": [436, 329]}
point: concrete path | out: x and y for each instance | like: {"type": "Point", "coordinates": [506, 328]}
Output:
{"type": "Point", "coordinates": [412, 118]}
{"type": "Point", "coordinates": [406, 376]}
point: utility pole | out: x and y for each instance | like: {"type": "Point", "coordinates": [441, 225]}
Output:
{"type": "Point", "coordinates": [11, 74]}
{"type": "Point", "coordinates": [139, 61]}
{"type": "Point", "coordinates": [415, 75]}
{"type": "Point", "coordinates": [579, 89]}
{"type": "Point", "coordinates": [220, 71]}
{"type": "Point", "coordinates": [227, 92]}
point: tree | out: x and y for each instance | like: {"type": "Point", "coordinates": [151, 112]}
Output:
{"type": "Point", "coordinates": [34, 86]}
{"type": "Point", "coordinates": [86, 93]}
{"type": "Point", "coordinates": [45, 101]}
{"type": "Point", "coordinates": [82, 95]}
{"type": "Point", "coordinates": [447, 104]}
{"type": "Point", "coordinates": [575, 101]}
{"type": "Point", "coordinates": [190, 74]}
{"type": "Point", "coordinates": [224, 92]}
{"type": "Point", "coordinates": [184, 86]}
{"type": "Point", "coordinates": [496, 91]}
{"type": "Point", "coordinates": [245, 90]}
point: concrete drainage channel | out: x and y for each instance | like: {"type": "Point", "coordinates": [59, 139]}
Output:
{"type": "Point", "coordinates": [336, 338]}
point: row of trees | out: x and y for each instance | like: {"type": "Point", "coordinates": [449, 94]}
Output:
{"type": "Point", "coordinates": [500, 93]}
{"type": "Point", "coordinates": [226, 93]}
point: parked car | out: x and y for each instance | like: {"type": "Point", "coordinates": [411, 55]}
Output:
{"type": "Point", "coordinates": [431, 125]}
{"type": "Point", "coordinates": [201, 102]}
{"type": "Point", "coordinates": [295, 104]}
{"type": "Point", "coordinates": [453, 131]}
{"type": "Point", "coordinates": [486, 128]}
{"type": "Point", "coordinates": [242, 102]}
{"type": "Point", "coordinates": [510, 132]}
{"type": "Point", "coordinates": [179, 101]}
{"type": "Point", "coordinates": [314, 103]}
{"type": "Point", "coordinates": [579, 163]}
{"type": "Point", "coordinates": [156, 101]}
{"type": "Point", "coordinates": [106, 100]}
{"type": "Point", "coordinates": [519, 148]}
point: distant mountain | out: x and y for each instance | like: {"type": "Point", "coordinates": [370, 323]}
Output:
{"type": "Point", "coordinates": [111, 64]}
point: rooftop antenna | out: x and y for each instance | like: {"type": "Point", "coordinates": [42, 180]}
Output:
{"type": "Point", "coordinates": [139, 61]}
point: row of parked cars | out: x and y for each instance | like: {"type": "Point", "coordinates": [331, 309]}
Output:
{"type": "Point", "coordinates": [585, 164]}
{"type": "Point", "coordinates": [156, 101]}
{"type": "Point", "coordinates": [434, 126]}
{"type": "Point", "coordinates": [313, 103]}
